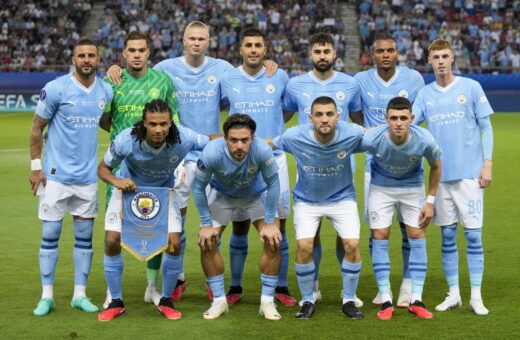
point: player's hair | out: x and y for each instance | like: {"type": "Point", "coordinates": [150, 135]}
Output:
{"type": "Point", "coordinates": [439, 44]}
{"type": "Point", "coordinates": [196, 24]}
{"type": "Point", "coordinates": [399, 103]}
{"type": "Point", "coordinates": [323, 100]}
{"type": "Point", "coordinates": [384, 36]}
{"type": "Point", "coordinates": [85, 42]}
{"type": "Point", "coordinates": [321, 38]}
{"type": "Point", "coordinates": [238, 121]}
{"type": "Point", "coordinates": [156, 105]}
{"type": "Point", "coordinates": [251, 32]}
{"type": "Point", "coordinates": [136, 35]}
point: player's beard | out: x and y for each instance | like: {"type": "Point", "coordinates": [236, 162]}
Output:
{"type": "Point", "coordinates": [80, 71]}
{"type": "Point", "coordinates": [322, 69]}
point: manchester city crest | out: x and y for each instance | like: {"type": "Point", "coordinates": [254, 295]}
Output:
{"type": "Point", "coordinates": [174, 158]}
{"type": "Point", "coordinates": [270, 88]}
{"type": "Point", "coordinates": [414, 158]}
{"type": "Point", "coordinates": [461, 99]}
{"type": "Point", "coordinates": [212, 79]}
{"type": "Point", "coordinates": [403, 93]}
{"type": "Point", "coordinates": [373, 216]}
{"type": "Point", "coordinates": [154, 92]}
{"type": "Point", "coordinates": [252, 169]}
{"type": "Point", "coordinates": [341, 154]}
{"type": "Point", "coordinates": [101, 104]}
{"type": "Point", "coordinates": [145, 205]}
{"type": "Point", "coordinates": [340, 95]}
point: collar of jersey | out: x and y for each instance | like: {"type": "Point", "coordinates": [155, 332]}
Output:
{"type": "Point", "coordinates": [323, 82]}
{"type": "Point", "coordinates": [81, 86]}
{"type": "Point", "coordinates": [154, 150]}
{"type": "Point", "coordinates": [252, 77]}
{"type": "Point", "coordinates": [226, 150]}
{"type": "Point", "coordinates": [399, 147]}
{"type": "Point", "coordinates": [313, 137]}
{"type": "Point", "coordinates": [447, 88]}
{"type": "Point", "coordinates": [195, 69]}
{"type": "Point", "coordinates": [390, 81]}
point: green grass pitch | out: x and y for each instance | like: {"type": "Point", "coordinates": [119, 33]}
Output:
{"type": "Point", "coordinates": [20, 235]}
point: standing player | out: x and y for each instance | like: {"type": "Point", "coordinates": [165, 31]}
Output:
{"type": "Point", "coordinates": [457, 112]}
{"type": "Point", "coordinates": [378, 86]}
{"type": "Point", "coordinates": [397, 183]}
{"type": "Point", "coordinates": [249, 91]}
{"type": "Point", "coordinates": [324, 188]}
{"type": "Point", "coordinates": [148, 154]}
{"type": "Point", "coordinates": [243, 177]}
{"type": "Point", "coordinates": [72, 106]}
{"type": "Point", "coordinates": [323, 81]}
{"type": "Point", "coordinates": [140, 85]}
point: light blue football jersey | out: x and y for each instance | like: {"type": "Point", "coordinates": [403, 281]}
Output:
{"type": "Point", "coordinates": [324, 171]}
{"type": "Point", "coordinates": [399, 165]}
{"type": "Point", "coordinates": [234, 179]}
{"type": "Point", "coordinates": [146, 165]}
{"type": "Point", "coordinates": [73, 112]}
{"type": "Point", "coordinates": [197, 92]}
{"type": "Point", "coordinates": [376, 93]}
{"type": "Point", "coordinates": [258, 96]}
{"type": "Point", "coordinates": [302, 90]}
{"type": "Point", "coordinates": [451, 114]}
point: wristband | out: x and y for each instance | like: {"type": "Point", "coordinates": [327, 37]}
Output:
{"type": "Point", "coordinates": [36, 164]}
{"type": "Point", "coordinates": [430, 199]}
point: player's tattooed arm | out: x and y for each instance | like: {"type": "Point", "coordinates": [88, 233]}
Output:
{"type": "Point", "coordinates": [115, 74]}
{"type": "Point", "coordinates": [35, 148]}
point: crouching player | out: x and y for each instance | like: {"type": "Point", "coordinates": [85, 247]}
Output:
{"type": "Point", "coordinates": [324, 188]}
{"type": "Point", "coordinates": [148, 153]}
{"type": "Point", "coordinates": [397, 182]}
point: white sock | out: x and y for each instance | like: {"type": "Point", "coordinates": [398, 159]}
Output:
{"type": "Point", "coordinates": [47, 292]}
{"type": "Point", "coordinates": [386, 297]}
{"type": "Point", "coordinates": [151, 284]}
{"type": "Point", "coordinates": [181, 277]}
{"type": "Point", "coordinates": [416, 297]}
{"type": "Point", "coordinates": [220, 299]}
{"type": "Point", "coordinates": [454, 291]}
{"type": "Point", "coordinates": [476, 294]}
{"type": "Point", "coordinates": [406, 284]}
{"type": "Point", "coordinates": [79, 291]}
{"type": "Point", "coordinates": [266, 299]}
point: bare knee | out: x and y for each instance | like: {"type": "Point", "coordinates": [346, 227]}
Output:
{"type": "Point", "coordinates": [304, 250]}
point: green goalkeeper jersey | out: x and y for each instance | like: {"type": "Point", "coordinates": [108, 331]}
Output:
{"type": "Point", "coordinates": [129, 98]}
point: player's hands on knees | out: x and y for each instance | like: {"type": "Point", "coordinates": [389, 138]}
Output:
{"type": "Point", "coordinates": [270, 67]}
{"type": "Point", "coordinates": [36, 178]}
{"type": "Point", "coordinates": [125, 184]}
{"type": "Point", "coordinates": [271, 234]}
{"type": "Point", "coordinates": [485, 177]}
{"type": "Point", "coordinates": [206, 234]}
{"type": "Point", "coordinates": [115, 74]}
{"type": "Point", "coordinates": [426, 215]}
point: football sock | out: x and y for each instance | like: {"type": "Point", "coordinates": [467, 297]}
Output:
{"type": "Point", "coordinates": [350, 275]}
{"type": "Point", "coordinates": [268, 286]}
{"type": "Point", "coordinates": [238, 247]}
{"type": "Point", "coordinates": [113, 273]}
{"type": "Point", "coordinates": [216, 283]}
{"type": "Point", "coordinates": [317, 251]}
{"type": "Point", "coordinates": [405, 250]}
{"type": "Point", "coordinates": [381, 264]}
{"type": "Point", "coordinates": [51, 231]}
{"type": "Point", "coordinates": [418, 266]}
{"type": "Point", "coordinates": [284, 264]}
{"type": "Point", "coordinates": [305, 274]}
{"type": "Point", "coordinates": [171, 267]}
{"type": "Point", "coordinates": [450, 257]}
{"type": "Point", "coordinates": [475, 256]}
{"type": "Point", "coordinates": [82, 252]}
{"type": "Point", "coordinates": [183, 246]}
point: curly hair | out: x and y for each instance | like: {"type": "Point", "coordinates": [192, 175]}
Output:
{"type": "Point", "coordinates": [156, 105]}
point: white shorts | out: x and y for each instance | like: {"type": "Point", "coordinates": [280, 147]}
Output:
{"type": "Point", "coordinates": [114, 213]}
{"type": "Point", "coordinates": [382, 201]}
{"type": "Point", "coordinates": [343, 215]}
{"type": "Point", "coordinates": [58, 198]}
{"type": "Point", "coordinates": [459, 201]}
{"type": "Point", "coordinates": [182, 194]}
{"type": "Point", "coordinates": [223, 208]}
{"type": "Point", "coordinates": [284, 202]}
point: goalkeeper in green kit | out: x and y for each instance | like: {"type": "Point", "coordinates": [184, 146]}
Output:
{"type": "Point", "coordinates": [140, 85]}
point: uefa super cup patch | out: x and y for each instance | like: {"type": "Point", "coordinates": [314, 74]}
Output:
{"type": "Point", "coordinates": [43, 95]}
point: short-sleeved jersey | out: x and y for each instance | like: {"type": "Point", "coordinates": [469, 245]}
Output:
{"type": "Point", "coordinates": [399, 165]}
{"type": "Point", "coordinates": [258, 96]}
{"type": "Point", "coordinates": [324, 171]}
{"type": "Point", "coordinates": [302, 90]}
{"type": "Point", "coordinates": [129, 98]}
{"type": "Point", "coordinates": [73, 112]}
{"type": "Point", "coordinates": [376, 93]}
{"type": "Point", "coordinates": [235, 179]}
{"type": "Point", "coordinates": [146, 165]}
{"type": "Point", "coordinates": [452, 115]}
{"type": "Point", "coordinates": [198, 93]}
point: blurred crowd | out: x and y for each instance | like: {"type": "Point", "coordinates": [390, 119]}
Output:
{"type": "Point", "coordinates": [485, 34]}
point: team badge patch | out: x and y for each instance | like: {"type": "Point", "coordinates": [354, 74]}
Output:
{"type": "Point", "coordinates": [43, 95]}
{"type": "Point", "coordinates": [145, 205]}
{"type": "Point", "coordinates": [340, 95]}
{"type": "Point", "coordinates": [341, 154]}
{"type": "Point", "coordinates": [483, 99]}
{"type": "Point", "coordinates": [413, 158]}
{"type": "Point", "coordinates": [373, 216]}
{"type": "Point", "coordinates": [212, 79]}
{"type": "Point", "coordinates": [154, 92]}
{"type": "Point", "coordinates": [174, 158]}
{"type": "Point", "coordinates": [270, 88]}
{"type": "Point", "coordinates": [102, 104]}
{"type": "Point", "coordinates": [403, 93]}
{"type": "Point", "coordinates": [252, 169]}
{"type": "Point", "coordinates": [112, 217]}
{"type": "Point", "coordinates": [45, 208]}
{"type": "Point", "coordinates": [461, 99]}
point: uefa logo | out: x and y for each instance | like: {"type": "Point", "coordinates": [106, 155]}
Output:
{"type": "Point", "coordinates": [212, 79]}
{"type": "Point", "coordinates": [461, 99]}
{"type": "Point", "coordinates": [145, 205]}
{"type": "Point", "coordinates": [403, 93]}
{"type": "Point", "coordinates": [270, 88]}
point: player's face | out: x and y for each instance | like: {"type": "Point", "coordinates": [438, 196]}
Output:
{"type": "Point", "coordinates": [253, 51]}
{"type": "Point", "coordinates": [239, 142]}
{"type": "Point", "coordinates": [385, 54]}
{"type": "Point", "coordinates": [85, 59]}
{"type": "Point", "coordinates": [441, 61]}
{"type": "Point", "coordinates": [324, 117]}
{"type": "Point", "coordinates": [323, 57]}
{"type": "Point", "coordinates": [157, 125]}
{"type": "Point", "coordinates": [399, 122]}
{"type": "Point", "coordinates": [136, 54]}
{"type": "Point", "coordinates": [196, 41]}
